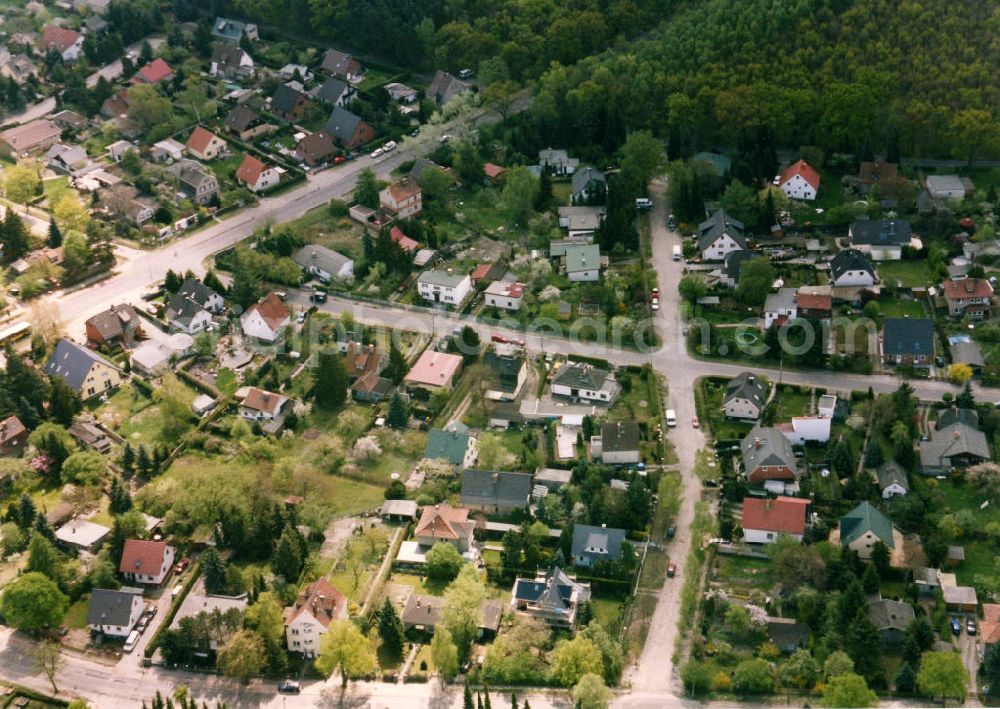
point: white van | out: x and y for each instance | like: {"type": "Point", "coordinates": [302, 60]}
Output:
{"type": "Point", "coordinates": [131, 641]}
{"type": "Point", "coordinates": [643, 203]}
{"type": "Point", "coordinates": [677, 252]}
{"type": "Point", "coordinates": [671, 417]}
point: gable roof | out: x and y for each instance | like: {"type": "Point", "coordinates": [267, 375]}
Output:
{"type": "Point", "coordinates": [444, 522]}
{"type": "Point", "coordinates": [271, 309]}
{"type": "Point", "coordinates": [153, 73]}
{"type": "Point", "coordinates": [241, 118]}
{"type": "Point", "coordinates": [813, 301]}
{"type": "Point", "coordinates": [447, 444]}
{"type": "Point", "coordinates": [883, 232]}
{"type": "Point", "coordinates": [342, 124]}
{"type": "Point", "coordinates": [321, 599]}
{"type": "Point", "coordinates": [181, 309]}
{"type": "Point", "coordinates": [434, 368]}
{"type": "Point", "coordinates": [337, 62]}
{"type": "Point", "coordinates": [10, 428]}
{"type": "Point", "coordinates": [405, 242]}
{"type": "Point", "coordinates": [27, 136]}
{"type": "Point", "coordinates": [58, 37]}
{"type": "Point", "coordinates": [72, 362]}
{"type": "Point", "coordinates": [115, 321]}
{"type": "Point", "coordinates": [734, 261]}
{"type": "Point", "coordinates": [495, 488]}
{"type": "Point", "coordinates": [851, 260]}
{"type": "Point", "coordinates": [230, 55]}
{"type": "Point", "coordinates": [262, 400]}
{"type": "Point", "coordinates": [865, 518]}
{"type": "Point", "coordinates": [584, 176]}
{"type": "Point", "coordinates": [251, 169]}
{"type": "Point", "coordinates": [956, 439]}
{"type": "Point", "coordinates": [747, 385]}
{"type": "Point", "coordinates": [784, 515]}
{"type": "Point", "coordinates": [285, 98]}
{"type": "Point", "coordinates": [142, 557]}
{"type": "Point", "coordinates": [200, 138]}
{"type": "Point", "coordinates": [197, 291]}
{"type": "Point", "coordinates": [428, 610]}
{"type": "Point", "coordinates": [892, 473]}
{"type": "Point", "coordinates": [404, 189]}
{"type": "Point", "coordinates": [717, 225]}
{"type": "Point", "coordinates": [109, 607]}
{"type": "Point", "coordinates": [967, 353]}
{"type": "Point", "coordinates": [599, 542]}
{"type": "Point", "coordinates": [908, 336]}
{"type": "Point", "coordinates": [332, 90]}
{"type": "Point", "coordinates": [319, 256]}
{"type": "Point", "coordinates": [768, 447]}
{"type": "Point", "coordinates": [887, 614]}
{"type": "Point", "coordinates": [966, 288]}
{"type": "Point", "coordinates": [444, 86]}
{"type": "Point", "coordinates": [801, 167]}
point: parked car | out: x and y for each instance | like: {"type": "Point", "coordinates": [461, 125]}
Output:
{"type": "Point", "coordinates": [181, 565]}
{"type": "Point", "coordinates": [318, 296]}
{"type": "Point", "coordinates": [956, 627]}
{"type": "Point", "coordinates": [150, 611]}
{"type": "Point", "coordinates": [465, 74]}
{"type": "Point", "coordinates": [497, 337]}
{"type": "Point", "coordinates": [339, 160]}
{"type": "Point", "coordinates": [694, 422]}
{"type": "Point", "coordinates": [289, 686]}
{"type": "Point", "coordinates": [301, 318]}
{"type": "Point", "coordinates": [970, 626]}
{"type": "Point", "coordinates": [377, 153]}
{"type": "Point", "coordinates": [671, 570]}
{"type": "Point", "coordinates": [131, 641]}
{"type": "Point", "coordinates": [671, 531]}
{"type": "Point", "coordinates": [389, 147]}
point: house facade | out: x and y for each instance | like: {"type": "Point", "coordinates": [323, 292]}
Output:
{"type": "Point", "coordinates": [256, 175]}
{"type": "Point", "coordinates": [146, 562]}
{"type": "Point", "coordinates": [592, 544]}
{"type": "Point", "coordinates": [863, 527]}
{"type": "Point", "coordinates": [444, 287]}
{"type": "Point", "coordinates": [86, 372]}
{"type": "Point", "coordinates": [968, 297]}
{"type": "Point", "coordinates": [745, 397]}
{"type": "Point", "coordinates": [765, 520]}
{"type": "Point", "coordinates": [267, 319]}
{"type": "Point", "coordinates": [553, 596]}
{"type": "Point", "coordinates": [585, 382]}
{"type": "Point", "coordinates": [719, 235]}
{"type": "Point", "coordinates": [799, 180]}
{"type": "Point", "coordinates": [114, 613]}
{"type": "Point", "coordinates": [880, 240]}
{"type": "Point", "coordinates": [907, 342]}
{"type": "Point", "coordinates": [205, 145]}
{"type": "Point", "coordinates": [119, 325]}
{"type": "Point", "coordinates": [851, 267]}
{"type": "Point", "coordinates": [403, 199]}
{"type": "Point", "coordinates": [444, 523]}
{"type": "Point", "coordinates": [309, 618]}
{"type": "Point", "coordinates": [504, 295]}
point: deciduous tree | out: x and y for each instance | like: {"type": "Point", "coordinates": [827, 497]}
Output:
{"type": "Point", "coordinates": [344, 649]}
{"type": "Point", "coordinates": [32, 602]}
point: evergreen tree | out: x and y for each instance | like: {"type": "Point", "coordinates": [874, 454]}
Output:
{"type": "Point", "coordinates": [212, 281]}
{"type": "Point", "coordinates": [120, 499]}
{"type": "Point", "coordinates": [873, 454]}
{"type": "Point", "coordinates": [128, 460]}
{"type": "Point", "coordinates": [28, 414]}
{"type": "Point", "coordinates": [14, 237]}
{"type": "Point", "coordinates": [288, 557]}
{"type": "Point", "coordinates": [906, 678]}
{"type": "Point", "coordinates": [43, 527]}
{"type": "Point", "coordinates": [64, 403]}
{"type": "Point", "coordinates": [965, 399]}
{"type": "Point", "coordinates": [486, 697]}
{"type": "Point", "coordinates": [544, 197]}
{"type": "Point", "coordinates": [214, 570]}
{"type": "Point", "coordinates": [143, 461]}
{"type": "Point", "coordinates": [330, 388]}
{"type": "Point", "coordinates": [399, 412]}
{"type": "Point", "coordinates": [396, 368]}
{"type": "Point", "coordinates": [54, 240]}
{"type": "Point", "coordinates": [390, 629]}
{"type": "Point", "coordinates": [26, 511]}
{"type": "Point", "coordinates": [870, 580]}
{"type": "Point", "coordinates": [467, 696]}
{"type": "Point", "coordinates": [172, 281]}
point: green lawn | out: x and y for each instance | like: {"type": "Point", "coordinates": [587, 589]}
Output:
{"type": "Point", "coordinates": [910, 274]}
{"type": "Point", "coordinates": [790, 401]}
{"type": "Point", "coordinates": [76, 615]}
{"type": "Point", "coordinates": [607, 611]}
{"type": "Point", "coordinates": [899, 308]}
{"type": "Point", "coordinates": [744, 573]}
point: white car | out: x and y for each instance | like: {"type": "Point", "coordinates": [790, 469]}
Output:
{"type": "Point", "coordinates": [655, 304]}
{"type": "Point", "coordinates": [131, 641]}
{"type": "Point", "coordinates": [388, 147]}
{"type": "Point", "coordinates": [377, 152]}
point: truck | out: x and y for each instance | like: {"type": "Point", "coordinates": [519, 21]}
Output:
{"type": "Point", "coordinates": [671, 417]}
{"type": "Point", "coordinates": [643, 203]}
{"type": "Point", "coordinates": [677, 252]}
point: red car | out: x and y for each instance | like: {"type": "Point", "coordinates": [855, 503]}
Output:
{"type": "Point", "coordinates": [656, 292]}
{"type": "Point", "coordinates": [694, 422]}
{"type": "Point", "coordinates": [671, 570]}
{"type": "Point", "coordinates": [502, 339]}
{"type": "Point", "coordinates": [339, 159]}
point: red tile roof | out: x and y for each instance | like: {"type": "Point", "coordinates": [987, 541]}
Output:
{"type": "Point", "coordinates": [785, 515]}
{"type": "Point", "coordinates": [322, 600]}
{"type": "Point", "coordinates": [814, 301]}
{"type": "Point", "coordinates": [153, 73]}
{"type": "Point", "coordinates": [808, 172]}
{"type": "Point", "coordinates": [272, 310]}
{"type": "Point", "coordinates": [481, 271]}
{"type": "Point", "coordinates": [967, 288]}
{"type": "Point", "coordinates": [250, 170]}
{"type": "Point", "coordinates": [407, 244]}
{"type": "Point", "coordinates": [200, 138]}
{"type": "Point", "coordinates": [58, 37]}
{"type": "Point", "coordinates": [442, 522]}
{"type": "Point", "coordinates": [261, 400]}
{"type": "Point", "coordinates": [142, 557]}
{"type": "Point", "coordinates": [493, 171]}
{"type": "Point", "coordinates": [10, 428]}
{"type": "Point", "coordinates": [402, 191]}
{"type": "Point", "coordinates": [989, 629]}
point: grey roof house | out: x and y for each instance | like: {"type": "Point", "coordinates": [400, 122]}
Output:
{"type": "Point", "coordinates": [719, 235]}
{"type": "Point", "coordinates": [588, 183]}
{"type": "Point", "coordinates": [323, 263]}
{"type": "Point", "coordinates": [334, 91]}
{"type": "Point", "coordinates": [892, 479]}
{"type": "Point", "coordinates": [114, 613]}
{"type": "Point", "coordinates": [453, 444]}
{"type": "Point", "coordinates": [892, 618]}
{"type": "Point", "coordinates": [595, 544]}
{"type": "Point", "coordinates": [618, 443]}
{"type": "Point", "coordinates": [496, 492]}
{"type": "Point", "coordinates": [955, 442]}
{"type": "Point", "coordinates": [444, 87]}
{"type": "Point", "coordinates": [768, 455]}
{"type": "Point", "coordinates": [85, 371]}
{"type": "Point", "coordinates": [745, 397]}
{"type": "Point", "coordinates": [553, 597]}
{"type": "Point", "coordinates": [908, 342]}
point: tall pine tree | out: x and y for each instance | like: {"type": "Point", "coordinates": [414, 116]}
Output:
{"type": "Point", "coordinates": [54, 240]}
{"type": "Point", "coordinates": [330, 388]}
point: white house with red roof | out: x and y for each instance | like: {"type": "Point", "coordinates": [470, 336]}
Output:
{"type": "Point", "coordinates": [766, 520]}
{"type": "Point", "coordinates": [444, 523]}
{"type": "Point", "coordinates": [146, 562]}
{"type": "Point", "coordinates": [267, 319]}
{"type": "Point", "coordinates": [256, 175]}
{"type": "Point", "coordinates": [402, 199]}
{"type": "Point", "coordinates": [434, 370]}
{"type": "Point", "coordinates": [407, 244]}
{"type": "Point", "coordinates": [503, 295]}
{"type": "Point", "coordinates": [153, 73]}
{"type": "Point", "coordinates": [800, 180]}
{"type": "Point", "coordinates": [68, 43]}
{"type": "Point", "coordinates": [308, 619]}
{"type": "Point", "coordinates": [205, 145]}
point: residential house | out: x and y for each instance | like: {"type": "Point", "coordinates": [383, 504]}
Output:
{"type": "Point", "coordinates": [493, 173]}
{"type": "Point", "coordinates": [117, 150]}
{"type": "Point", "coordinates": [168, 150]}
{"type": "Point", "coordinates": [434, 370]}
{"type": "Point", "coordinates": [82, 535]}
{"type": "Point", "coordinates": [423, 614]}
{"type": "Point", "coordinates": [114, 613]}
{"type": "Point", "coordinates": [581, 221]}
{"type": "Point", "coordinates": [557, 162]}
{"type": "Point", "coordinates": [891, 618]}
{"type": "Point", "coordinates": [348, 129]}
{"type": "Point", "coordinates": [342, 66]}
{"type": "Point", "coordinates": [787, 635]}
{"type": "Point", "coordinates": [13, 436]}
{"type": "Point", "coordinates": [195, 182]}
{"type": "Point", "coordinates": [800, 180]}
{"type": "Point", "coordinates": [289, 104]}
{"type": "Point", "coordinates": [232, 31]}
{"type": "Point", "coordinates": [578, 380]}
{"type": "Point", "coordinates": [968, 352]}
{"type": "Point", "coordinates": [119, 325]}
{"type": "Point", "coordinates": [881, 240]}
{"type": "Point", "coordinates": [780, 308]}
{"type": "Point", "coordinates": [29, 139]}
{"type": "Point", "coordinates": [361, 360]}
{"type": "Point", "coordinates": [256, 175]}
{"type": "Point", "coordinates": [403, 199]}
{"type": "Point", "coordinates": [893, 480]}
{"type": "Point", "coordinates": [719, 235]}
{"type": "Point", "coordinates": [86, 372]}
{"type": "Point", "coordinates": [768, 455]}
{"type": "Point", "coordinates": [454, 444]}
{"type": "Point", "coordinates": [153, 73]}
{"type": "Point", "coordinates": [316, 148]}
{"type": "Point", "coordinates": [946, 186]}
{"type": "Point", "coordinates": [268, 408]}
{"type": "Point", "coordinates": [398, 511]}
{"type": "Point", "coordinates": [852, 267]}
{"type": "Point", "coordinates": [115, 106]}
{"type": "Point", "coordinates": [617, 444]}
{"type": "Point", "coordinates": [371, 388]}
{"type": "Point", "coordinates": [806, 429]}
{"type": "Point", "coordinates": [66, 159]}
{"type": "Point", "coordinates": [863, 527]}
{"type": "Point", "coordinates": [511, 372]}
{"type": "Point", "coordinates": [444, 287]}
{"type": "Point", "coordinates": [488, 272]}
{"type": "Point", "coordinates": [205, 145]}
{"type": "Point", "coordinates": [146, 562]}
{"type": "Point", "coordinates": [875, 173]}
{"type": "Point", "coordinates": [989, 628]}
{"type": "Point", "coordinates": [588, 184]}
{"type": "Point", "coordinates": [745, 397]}
{"type": "Point", "coordinates": [267, 319]}
{"type": "Point", "coordinates": [908, 342]}
{"type": "Point", "coordinates": [444, 523]}
{"type": "Point", "coordinates": [245, 123]}
{"type": "Point", "coordinates": [729, 274]}
{"type": "Point", "coordinates": [323, 263]}
{"type": "Point", "coordinates": [18, 68]}
{"type": "Point", "coordinates": [335, 92]}
{"type": "Point", "coordinates": [401, 93]}
{"type": "Point", "coordinates": [928, 580]}
{"type": "Point", "coordinates": [497, 492]}
{"type": "Point", "coordinates": [307, 620]}
{"type": "Point", "coordinates": [185, 315]}
{"type": "Point", "coordinates": [968, 297]}
{"type": "Point", "coordinates": [814, 306]}
{"type": "Point", "coordinates": [504, 295]}
{"type": "Point", "coordinates": [504, 415]}
{"type": "Point", "coordinates": [68, 43]}
{"type": "Point", "coordinates": [960, 599]}
{"type": "Point", "coordinates": [765, 520]}
{"type": "Point", "coordinates": [231, 63]}
{"type": "Point", "coordinates": [554, 597]}
{"type": "Point", "coordinates": [592, 545]}
{"type": "Point", "coordinates": [582, 262]}
{"type": "Point", "coordinates": [405, 242]}
{"type": "Point", "coordinates": [956, 442]}
{"type": "Point", "coordinates": [201, 294]}
{"type": "Point", "coordinates": [70, 120]}
{"type": "Point", "coordinates": [91, 436]}
{"type": "Point", "coordinates": [444, 87]}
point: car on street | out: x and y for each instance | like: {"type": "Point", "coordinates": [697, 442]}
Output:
{"type": "Point", "coordinates": [376, 153]}
{"type": "Point", "coordinates": [444, 138]}
{"type": "Point", "coordinates": [318, 296]}
{"type": "Point", "coordinates": [970, 626]}
{"type": "Point", "coordinates": [671, 531]}
{"type": "Point", "coordinates": [694, 422]}
{"type": "Point", "coordinates": [956, 627]}
{"type": "Point", "coordinates": [131, 641]}
{"type": "Point", "coordinates": [181, 565]}
{"type": "Point", "coordinates": [339, 160]}
{"type": "Point", "coordinates": [301, 317]}
{"type": "Point", "coordinates": [389, 147]}
{"type": "Point", "coordinates": [289, 686]}
{"type": "Point", "coordinates": [142, 624]}
{"type": "Point", "coordinates": [150, 611]}
{"type": "Point", "coordinates": [655, 304]}
{"type": "Point", "coordinates": [671, 570]}
{"type": "Point", "coordinates": [497, 337]}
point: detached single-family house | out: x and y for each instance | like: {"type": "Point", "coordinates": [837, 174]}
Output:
{"type": "Point", "coordinates": [401, 93]}
{"type": "Point", "coordinates": [557, 162]}
{"type": "Point", "coordinates": [91, 436]}
{"type": "Point", "coordinates": [497, 492]}
{"type": "Point", "coordinates": [114, 613]}
{"type": "Point", "coordinates": [444, 287]}
{"type": "Point", "coordinates": [553, 596]}
{"type": "Point", "coordinates": [892, 480]}
{"type": "Point", "coordinates": [308, 619]}
{"type": "Point", "coordinates": [434, 370]}
{"type": "Point", "coordinates": [68, 43]}
{"type": "Point", "coordinates": [13, 436]}
{"type": "Point", "coordinates": [86, 372]}
{"type": "Point", "coordinates": [504, 295]}
{"type": "Point", "coordinates": [119, 325]}
{"type": "Point", "coordinates": [316, 148]}
{"type": "Point", "coordinates": [585, 382]}
{"type": "Point", "coordinates": [718, 235]}
{"type": "Point", "coordinates": [908, 342]}
{"type": "Point", "coordinates": [66, 159]}
{"type": "Point", "coordinates": [205, 145]}
{"type": "Point", "coordinates": [881, 240]}
{"type": "Point", "coordinates": [168, 150]}
{"type": "Point", "coordinates": [29, 139]}
{"type": "Point", "coordinates": [230, 62]}
{"type": "Point", "coordinates": [956, 442]}
{"type": "Point", "coordinates": [618, 443]}
{"type": "Point", "coordinates": [323, 263]}
{"type": "Point", "coordinates": [146, 562]}
{"type": "Point", "coordinates": [960, 599]}
{"type": "Point", "coordinates": [406, 243]}
{"type": "Point", "coordinates": [423, 614]}
{"type": "Point", "coordinates": [800, 180]}
{"type": "Point", "coordinates": [444, 523]}
{"type": "Point", "coordinates": [82, 535]}
{"type": "Point", "coordinates": [232, 31]}
{"type": "Point", "coordinates": [444, 87]}
{"type": "Point", "coordinates": [371, 388]}
{"type": "Point", "coordinates": [266, 319]}
{"type": "Point", "coordinates": [245, 123]}
{"type": "Point", "coordinates": [852, 267]}
{"type": "Point", "coordinates": [729, 274]}
{"type": "Point", "coordinates": [511, 372]}
{"type": "Point", "coordinates": [768, 455]}
{"type": "Point", "coordinates": [454, 444]}
{"type": "Point", "coordinates": [360, 360]}
{"type": "Point", "coordinates": [595, 544]}
{"type": "Point", "coordinates": [781, 307]}
{"type": "Point", "coordinates": [581, 221]}
{"type": "Point", "coordinates": [185, 315]}
{"type": "Point", "coordinates": [201, 294]}
{"type": "Point", "coordinates": [812, 305]}
{"type": "Point", "coordinates": [19, 68]}
{"type": "Point", "coordinates": [891, 618]}
{"type": "Point", "coordinates": [257, 176]}
{"type": "Point", "coordinates": [765, 520]}
{"type": "Point", "coordinates": [195, 182]}
{"type": "Point", "coordinates": [968, 297]}
{"type": "Point", "coordinates": [588, 184]}
{"type": "Point", "coordinates": [265, 406]}
{"type": "Point", "coordinates": [348, 129]}
{"type": "Point", "coordinates": [403, 199]}
{"type": "Point", "coordinates": [335, 92]}
{"type": "Point", "coordinates": [946, 186]}
{"type": "Point", "coordinates": [153, 73]}
{"type": "Point", "coordinates": [865, 526]}
{"type": "Point", "coordinates": [788, 635]}
{"type": "Point", "coordinates": [745, 397]}
{"type": "Point", "coordinates": [582, 262]}
{"type": "Point", "coordinates": [342, 66]}
{"type": "Point", "coordinates": [289, 104]}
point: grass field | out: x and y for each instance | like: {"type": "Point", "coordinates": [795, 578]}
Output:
{"type": "Point", "coordinates": [899, 308]}
{"type": "Point", "coordinates": [742, 573]}
{"type": "Point", "coordinates": [909, 274]}
{"type": "Point", "coordinates": [790, 401]}
{"type": "Point", "coordinates": [607, 612]}
{"type": "Point", "coordinates": [76, 614]}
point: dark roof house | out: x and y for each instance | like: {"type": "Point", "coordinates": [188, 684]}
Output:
{"type": "Point", "coordinates": [908, 341]}
{"type": "Point", "coordinates": [496, 492]}
{"type": "Point", "coordinates": [593, 544]}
